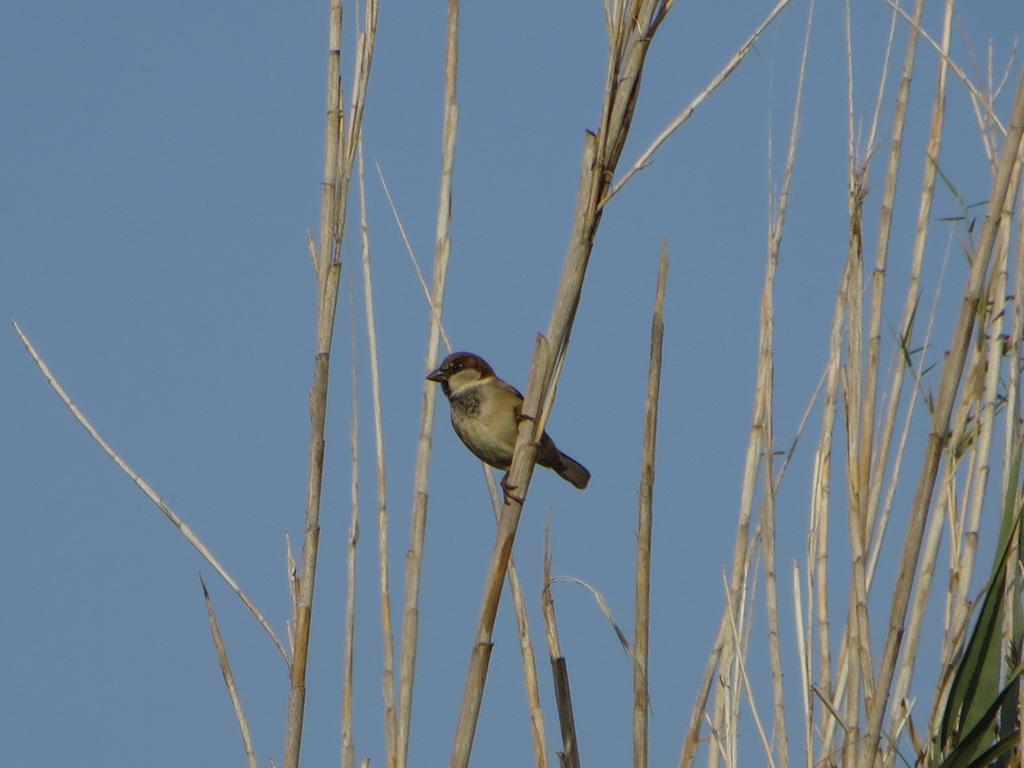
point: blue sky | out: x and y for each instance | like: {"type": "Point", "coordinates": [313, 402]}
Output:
{"type": "Point", "coordinates": [159, 168]}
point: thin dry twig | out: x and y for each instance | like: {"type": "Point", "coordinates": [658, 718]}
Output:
{"type": "Point", "coordinates": [435, 311]}
{"type": "Point", "coordinates": [569, 756]}
{"type": "Point", "coordinates": [737, 58]}
{"type": "Point", "coordinates": [147, 489]}
{"type": "Point", "coordinates": [348, 668]}
{"type": "Point", "coordinates": [229, 678]}
{"type": "Point", "coordinates": [944, 55]}
{"type": "Point", "coordinates": [383, 551]}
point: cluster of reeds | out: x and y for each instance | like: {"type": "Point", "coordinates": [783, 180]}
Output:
{"type": "Point", "coordinates": [857, 705]}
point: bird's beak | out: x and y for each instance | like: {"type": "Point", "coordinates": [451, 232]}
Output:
{"type": "Point", "coordinates": [436, 375]}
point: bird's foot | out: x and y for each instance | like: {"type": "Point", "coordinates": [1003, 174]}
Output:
{"type": "Point", "coordinates": [507, 489]}
{"type": "Point", "coordinates": [521, 417]}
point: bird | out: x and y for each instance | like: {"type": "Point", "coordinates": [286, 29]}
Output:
{"type": "Point", "coordinates": [486, 412]}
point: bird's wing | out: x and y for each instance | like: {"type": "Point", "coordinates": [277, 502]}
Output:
{"type": "Point", "coordinates": [504, 385]}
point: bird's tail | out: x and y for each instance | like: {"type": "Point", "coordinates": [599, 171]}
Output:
{"type": "Point", "coordinates": [570, 469]}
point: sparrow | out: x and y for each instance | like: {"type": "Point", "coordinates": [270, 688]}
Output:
{"type": "Point", "coordinates": [486, 412]}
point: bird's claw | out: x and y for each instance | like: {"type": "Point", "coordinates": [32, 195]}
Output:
{"type": "Point", "coordinates": [507, 489]}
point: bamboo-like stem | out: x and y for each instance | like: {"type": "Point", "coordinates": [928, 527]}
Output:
{"type": "Point", "coordinates": [229, 677]}
{"type": "Point", "coordinates": [766, 366]}
{"type": "Point", "coordinates": [912, 299]}
{"type": "Point", "coordinates": [339, 152]}
{"type": "Point", "coordinates": [843, 668]}
{"type": "Point", "coordinates": [414, 557]}
{"type": "Point", "coordinates": [821, 493]}
{"type": "Point", "coordinates": [148, 490]}
{"type": "Point", "coordinates": [759, 448]}
{"type": "Point", "coordinates": [692, 739]}
{"type": "Point", "coordinates": [869, 484]}
{"type": "Point", "coordinates": [508, 522]}
{"type": "Point", "coordinates": [348, 664]}
{"type": "Point", "coordinates": [631, 32]}
{"type": "Point", "coordinates": [1013, 388]}
{"type": "Point", "coordinates": [328, 276]}
{"type": "Point", "coordinates": [387, 633]}
{"type": "Point", "coordinates": [569, 756]}
{"type": "Point", "coordinates": [292, 574]}
{"type": "Point", "coordinates": [744, 679]}
{"type": "Point", "coordinates": [987, 369]}
{"type": "Point", "coordinates": [518, 599]}
{"type": "Point", "coordinates": [802, 630]}
{"type": "Point", "coordinates": [540, 747]}
{"type": "Point", "coordinates": [952, 371]}
{"type": "Point", "coordinates": [645, 519]}
{"type": "Point", "coordinates": [859, 665]}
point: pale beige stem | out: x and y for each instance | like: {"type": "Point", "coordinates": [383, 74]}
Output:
{"type": "Point", "coordinates": [414, 557]}
{"type": "Point", "coordinates": [229, 677]}
{"type": "Point", "coordinates": [645, 519]}
{"type": "Point", "coordinates": [339, 152]}
{"type": "Point", "coordinates": [633, 28]}
{"type": "Point", "coordinates": [952, 372]}
{"type": "Point", "coordinates": [147, 489]}
{"type": "Point", "coordinates": [348, 664]}
{"type": "Point", "coordinates": [383, 552]}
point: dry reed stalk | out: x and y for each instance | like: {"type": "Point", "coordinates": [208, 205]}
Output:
{"type": "Point", "coordinates": [383, 551]}
{"type": "Point", "coordinates": [737, 58]}
{"type": "Point", "coordinates": [148, 490]}
{"type": "Point", "coordinates": [740, 661]}
{"type": "Point", "coordinates": [348, 665]}
{"type": "Point", "coordinates": [862, 379]}
{"type": "Point", "coordinates": [867, 474]}
{"type": "Point", "coordinates": [518, 600]}
{"type": "Point", "coordinates": [987, 358]}
{"type": "Point", "coordinates": [802, 629]}
{"type": "Point", "coordinates": [760, 449]}
{"type": "Point", "coordinates": [910, 306]}
{"type": "Point", "coordinates": [435, 312]}
{"type": "Point", "coordinates": [537, 730]}
{"type": "Point", "coordinates": [631, 29]}
{"type": "Point", "coordinates": [767, 364]}
{"type": "Point", "coordinates": [480, 658]}
{"type": "Point", "coordinates": [866, 482]}
{"type": "Point", "coordinates": [229, 678]}
{"type": "Point", "coordinates": [821, 494]}
{"type": "Point", "coordinates": [414, 557]}
{"type": "Point", "coordinates": [691, 741]}
{"type": "Point", "coordinates": [292, 575]}
{"type": "Point", "coordinates": [843, 667]}
{"type": "Point", "coordinates": [339, 152]}
{"type": "Point", "coordinates": [1013, 394]}
{"type": "Point", "coordinates": [569, 756]}
{"type": "Point", "coordinates": [645, 519]}
{"type": "Point", "coordinates": [952, 372]}
{"type": "Point", "coordinates": [983, 102]}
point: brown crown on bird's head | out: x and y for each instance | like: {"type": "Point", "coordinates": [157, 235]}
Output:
{"type": "Point", "coordinates": [456, 363]}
